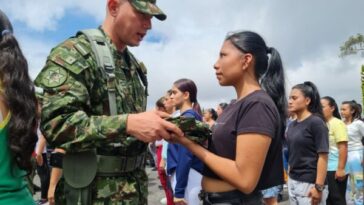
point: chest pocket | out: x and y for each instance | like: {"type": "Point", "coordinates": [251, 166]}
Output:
{"type": "Point", "coordinates": [131, 92]}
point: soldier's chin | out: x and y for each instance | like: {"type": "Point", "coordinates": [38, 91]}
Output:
{"type": "Point", "coordinates": [134, 44]}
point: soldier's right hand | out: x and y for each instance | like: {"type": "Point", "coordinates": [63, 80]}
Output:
{"type": "Point", "coordinates": [149, 126]}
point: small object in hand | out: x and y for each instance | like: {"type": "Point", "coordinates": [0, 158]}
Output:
{"type": "Point", "coordinates": [193, 129]}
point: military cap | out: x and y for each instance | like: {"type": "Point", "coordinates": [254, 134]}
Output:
{"type": "Point", "coordinates": [149, 7]}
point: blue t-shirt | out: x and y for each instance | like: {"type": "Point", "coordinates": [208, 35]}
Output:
{"type": "Point", "coordinates": [181, 160]}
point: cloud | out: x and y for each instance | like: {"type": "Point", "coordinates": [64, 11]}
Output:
{"type": "Point", "coordinates": [36, 52]}
{"type": "Point", "coordinates": [42, 15]}
{"type": "Point", "coordinates": [307, 34]}
{"type": "Point", "coordinates": [335, 77]}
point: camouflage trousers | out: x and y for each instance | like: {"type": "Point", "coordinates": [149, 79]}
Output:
{"type": "Point", "coordinates": [129, 189]}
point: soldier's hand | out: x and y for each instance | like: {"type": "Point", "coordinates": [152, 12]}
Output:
{"type": "Point", "coordinates": [149, 126]}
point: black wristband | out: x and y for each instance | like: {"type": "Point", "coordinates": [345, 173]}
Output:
{"type": "Point", "coordinates": [56, 159]}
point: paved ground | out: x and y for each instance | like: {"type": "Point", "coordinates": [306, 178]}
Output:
{"type": "Point", "coordinates": [155, 192]}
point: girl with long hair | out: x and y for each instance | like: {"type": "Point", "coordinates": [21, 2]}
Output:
{"type": "Point", "coordinates": [244, 154]}
{"type": "Point", "coordinates": [338, 150]}
{"type": "Point", "coordinates": [18, 119]}
{"type": "Point", "coordinates": [185, 167]}
{"type": "Point", "coordinates": [308, 146]}
{"type": "Point", "coordinates": [350, 111]}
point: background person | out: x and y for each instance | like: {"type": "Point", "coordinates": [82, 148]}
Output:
{"type": "Point", "coordinates": [351, 116]}
{"type": "Point", "coordinates": [308, 147]}
{"type": "Point", "coordinates": [209, 117]}
{"type": "Point", "coordinates": [18, 119]}
{"type": "Point", "coordinates": [184, 167]}
{"type": "Point", "coordinates": [337, 177]}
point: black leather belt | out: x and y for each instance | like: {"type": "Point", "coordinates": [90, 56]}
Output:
{"type": "Point", "coordinates": [234, 197]}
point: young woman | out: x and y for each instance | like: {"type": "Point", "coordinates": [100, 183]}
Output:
{"type": "Point", "coordinates": [338, 150]}
{"type": "Point", "coordinates": [350, 111]}
{"type": "Point", "coordinates": [181, 163]}
{"type": "Point", "coordinates": [209, 117]}
{"type": "Point", "coordinates": [245, 152]}
{"type": "Point", "coordinates": [18, 119]}
{"type": "Point", "coordinates": [308, 146]}
{"type": "Point", "coordinates": [220, 108]}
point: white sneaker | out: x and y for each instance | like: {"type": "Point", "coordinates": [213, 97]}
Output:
{"type": "Point", "coordinates": [163, 200]}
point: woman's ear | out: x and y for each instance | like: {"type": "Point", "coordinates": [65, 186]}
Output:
{"type": "Point", "coordinates": [307, 101]}
{"type": "Point", "coordinates": [246, 60]}
{"type": "Point", "coordinates": [186, 95]}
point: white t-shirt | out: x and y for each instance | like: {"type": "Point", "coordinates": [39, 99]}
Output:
{"type": "Point", "coordinates": [355, 133]}
{"type": "Point", "coordinates": [39, 133]}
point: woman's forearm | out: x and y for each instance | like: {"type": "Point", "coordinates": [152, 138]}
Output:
{"type": "Point", "coordinates": [321, 168]}
{"type": "Point", "coordinates": [343, 153]}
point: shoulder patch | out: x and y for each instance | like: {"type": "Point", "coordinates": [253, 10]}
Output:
{"type": "Point", "coordinates": [54, 77]}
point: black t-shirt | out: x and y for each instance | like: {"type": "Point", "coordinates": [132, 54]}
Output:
{"type": "Point", "coordinates": [305, 140]}
{"type": "Point", "coordinates": [256, 113]}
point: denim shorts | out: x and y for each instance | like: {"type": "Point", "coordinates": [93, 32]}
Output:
{"type": "Point", "coordinates": [272, 192]}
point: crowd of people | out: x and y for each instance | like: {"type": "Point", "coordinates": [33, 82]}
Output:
{"type": "Point", "coordinates": [93, 116]}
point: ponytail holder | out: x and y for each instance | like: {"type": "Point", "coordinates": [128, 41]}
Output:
{"type": "Point", "coordinates": [269, 49]}
{"type": "Point", "coordinates": [4, 32]}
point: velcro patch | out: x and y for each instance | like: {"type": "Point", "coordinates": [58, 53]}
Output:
{"type": "Point", "coordinates": [54, 77]}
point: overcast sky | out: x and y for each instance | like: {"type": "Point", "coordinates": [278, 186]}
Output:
{"type": "Point", "coordinates": [307, 33]}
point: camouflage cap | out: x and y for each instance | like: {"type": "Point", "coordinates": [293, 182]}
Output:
{"type": "Point", "coordinates": [149, 7]}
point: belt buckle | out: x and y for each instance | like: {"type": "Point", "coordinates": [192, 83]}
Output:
{"type": "Point", "coordinates": [202, 195]}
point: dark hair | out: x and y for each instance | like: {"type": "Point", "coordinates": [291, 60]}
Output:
{"type": "Point", "coordinates": [187, 85]}
{"type": "Point", "coordinates": [160, 103]}
{"type": "Point", "coordinates": [354, 106]}
{"type": "Point", "coordinates": [268, 70]}
{"type": "Point", "coordinates": [213, 113]}
{"type": "Point", "coordinates": [309, 90]}
{"type": "Point", "coordinates": [223, 105]}
{"type": "Point", "coordinates": [332, 103]}
{"type": "Point", "coordinates": [19, 96]}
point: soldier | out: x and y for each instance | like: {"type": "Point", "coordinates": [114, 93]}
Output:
{"type": "Point", "coordinates": [94, 108]}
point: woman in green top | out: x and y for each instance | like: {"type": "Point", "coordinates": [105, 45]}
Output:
{"type": "Point", "coordinates": [18, 124]}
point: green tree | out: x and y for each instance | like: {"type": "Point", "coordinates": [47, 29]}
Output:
{"type": "Point", "coordinates": [352, 46]}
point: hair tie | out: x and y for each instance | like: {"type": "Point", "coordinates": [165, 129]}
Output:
{"type": "Point", "coordinates": [269, 49]}
{"type": "Point", "coordinates": [4, 32]}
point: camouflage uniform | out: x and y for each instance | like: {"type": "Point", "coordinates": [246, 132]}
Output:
{"type": "Point", "coordinates": [193, 129]}
{"type": "Point", "coordinates": [76, 116]}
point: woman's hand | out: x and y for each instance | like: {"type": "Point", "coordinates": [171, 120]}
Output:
{"type": "Point", "coordinates": [51, 191]}
{"type": "Point", "coordinates": [179, 201]}
{"type": "Point", "coordinates": [315, 196]}
{"type": "Point", "coordinates": [340, 174]}
{"type": "Point", "coordinates": [39, 159]}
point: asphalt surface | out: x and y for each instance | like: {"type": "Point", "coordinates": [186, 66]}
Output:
{"type": "Point", "coordinates": [156, 192]}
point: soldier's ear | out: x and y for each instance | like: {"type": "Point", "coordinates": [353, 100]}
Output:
{"type": "Point", "coordinates": [112, 7]}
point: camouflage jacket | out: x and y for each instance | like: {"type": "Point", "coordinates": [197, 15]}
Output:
{"type": "Point", "coordinates": [195, 130]}
{"type": "Point", "coordinates": [75, 109]}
